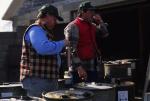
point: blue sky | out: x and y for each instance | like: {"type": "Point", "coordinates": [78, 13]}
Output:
{"type": "Point", "coordinates": [5, 26]}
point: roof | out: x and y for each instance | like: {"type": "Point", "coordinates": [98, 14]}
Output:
{"type": "Point", "coordinates": [12, 9]}
{"type": "Point", "coordinates": [17, 4]}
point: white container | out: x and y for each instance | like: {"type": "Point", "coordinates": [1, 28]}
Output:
{"type": "Point", "coordinates": [102, 91]}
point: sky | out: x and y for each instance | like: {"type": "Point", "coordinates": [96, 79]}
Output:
{"type": "Point", "coordinates": [5, 26]}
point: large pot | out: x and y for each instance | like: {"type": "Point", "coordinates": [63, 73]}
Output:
{"type": "Point", "coordinates": [68, 95]}
{"type": "Point", "coordinates": [102, 91]}
{"type": "Point", "coordinates": [22, 98]}
{"type": "Point", "coordinates": [11, 90]}
{"type": "Point", "coordinates": [132, 61]}
{"type": "Point", "coordinates": [118, 69]}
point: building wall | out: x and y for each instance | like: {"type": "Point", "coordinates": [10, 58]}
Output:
{"type": "Point", "coordinates": [10, 54]}
{"type": "Point", "coordinates": [9, 57]}
{"type": "Point", "coordinates": [31, 5]}
{"type": "Point", "coordinates": [29, 10]}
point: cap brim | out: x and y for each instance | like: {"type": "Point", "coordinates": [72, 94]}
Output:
{"type": "Point", "coordinates": [92, 8]}
{"type": "Point", "coordinates": [60, 18]}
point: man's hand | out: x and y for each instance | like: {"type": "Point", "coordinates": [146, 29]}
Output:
{"type": "Point", "coordinates": [82, 73]}
{"type": "Point", "coordinates": [97, 19]}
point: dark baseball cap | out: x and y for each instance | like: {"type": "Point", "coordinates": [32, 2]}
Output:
{"type": "Point", "coordinates": [86, 6]}
{"type": "Point", "coordinates": [50, 10]}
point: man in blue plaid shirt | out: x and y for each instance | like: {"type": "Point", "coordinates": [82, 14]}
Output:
{"type": "Point", "coordinates": [40, 60]}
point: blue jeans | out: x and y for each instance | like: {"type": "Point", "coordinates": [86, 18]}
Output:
{"type": "Point", "coordinates": [36, 86]}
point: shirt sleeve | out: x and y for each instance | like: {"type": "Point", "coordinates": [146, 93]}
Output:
{"type": "Point", "coordinates": [43, 46]}
{"type": "Point", "coordinates": [73, 32]}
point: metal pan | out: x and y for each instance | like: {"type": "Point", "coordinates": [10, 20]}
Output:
{"type": "Point", "coordinates": [68, 95]}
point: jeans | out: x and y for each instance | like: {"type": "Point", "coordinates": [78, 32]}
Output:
{"type": "Point", "coordinates": [36, 86]}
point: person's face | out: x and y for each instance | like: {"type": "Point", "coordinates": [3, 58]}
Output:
{"type": "Point", "coordinates": [51, 21]}
{"type": "Point", "coordinates": [89, 15]}
{"type": "Point", "coordinates": [97, 17]}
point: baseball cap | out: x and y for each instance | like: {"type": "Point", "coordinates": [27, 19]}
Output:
{"type": "Point", "coordinates": [50, 10]}
{"type": "Point", "coordinates": [86, 6]}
